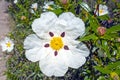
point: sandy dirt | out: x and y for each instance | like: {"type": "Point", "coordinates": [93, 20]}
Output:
{"type": "Point", "coordinates": [4, 29]}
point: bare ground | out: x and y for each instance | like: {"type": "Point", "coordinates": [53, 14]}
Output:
{"type": "Point", "coordinates": [4, 29]}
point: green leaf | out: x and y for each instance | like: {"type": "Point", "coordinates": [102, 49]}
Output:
{"type": "Point", "coordinates": [89, 37]}
{"type": "Point", "coordinates": [101, 78]}
{"type": "Point", "coordinates": [113, 29]}
{"type": "Point", "coordinates": [57, 11]}
{"type": "Point", "coordinates": [105, 47]}
{"type": "Point", "coordinates": [113, 65]}
{"type": "Point", "coordinates": [109, 68]}
{"type": "Point", "coordinates": [103, 17]}
{"type": "Point", "coordinates": [94, 24]}
{"type": "Point", "coordinates": [110, 36]}
{"type": "Point", "coordinates": [103, 70]}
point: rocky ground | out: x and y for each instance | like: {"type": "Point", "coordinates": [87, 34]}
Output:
{"type": "Point", "coordinates": [5, 22]}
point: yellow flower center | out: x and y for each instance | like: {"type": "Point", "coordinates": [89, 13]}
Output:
{"type": "Point", "coordinates": [100, 11]}
{"type": "Point", "coordinates": [56, 43]}
{"type": "Point", "coordinates": [8, 44]}
{"type": "Point", "coordinates": [50, 8]}
{"type": "Point", "coordinates": [35, 8]}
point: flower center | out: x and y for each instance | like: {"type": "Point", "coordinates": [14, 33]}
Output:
{"type": "Point", "coordinates": [49, 8]}
{"type": "Point", "coordinates": [56, 43]}
{"type": "Point", "coordinates": [8, 44]}
{"type": "Point", "coordinates": [100, 11]}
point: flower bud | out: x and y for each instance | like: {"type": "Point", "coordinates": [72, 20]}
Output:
{"type": "Point", "coordinates": [118, 40]}
{"type": "Point", "coordinates": [23, 17]}
{"type": "Point", "coordinates": [64, 2]}
{"type": "Point", "coordinates": [101, 30]}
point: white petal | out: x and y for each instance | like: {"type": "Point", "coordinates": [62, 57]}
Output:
{"type": "Point", "coordinates": [74, 59]}
{"type": "Point", "coordinates": [32, 11]}
{"type": "Point", "coordinates": [67, 16]}
{"type": "Point", "coordinates": [35, 54]}
{"type": "Point", "coordinates": [4, 48]}
{"type": "Point", "coordinates": [53, 65]}
{"type": "Point", "coordinates": [82, 48]}
{"type": "Point", "coordinates": [34, 5]}
{"type": "Point", "coordinates": [75, 26]}
{"type": "Point", "coordinates": [15, 1]}
{"type": "Point", "coordinates": [85, 6]}
{"type": "Point", "coordinates": [35, 49]}
{"type": "Point", "coordinates": [58, 27]}
{"type": "Point", "coordinates": [10, 49]}
{"type": "Point", "coordinates": [49, 3]}
{"type": "Point", "coordinates": [71, 42]}
{"type": "Point", "coordinates": [32, 41]}
{"type": "Point", "coordinates": [42, 25]}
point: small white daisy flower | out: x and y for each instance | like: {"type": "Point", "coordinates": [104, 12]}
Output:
{"type": "Point", "coordinates": [7, 44]}
{"type": "Point", "coordinates": [54, 45]}
{"type": "Point", "coordinates": [15, 1]}
{"type": "Point", "coordinates": [103, 9]}
{"type": "Point", "coordinates": [34, 6]}
{"type": "Point", "coordinates": [47, 5]}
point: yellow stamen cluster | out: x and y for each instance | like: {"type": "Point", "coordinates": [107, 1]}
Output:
{"type": "Point", "coordinates": [50, 8]}
{"type": "Point", "coordinates": [100, 11]}
{"type": "Point", "coordinates": [8, 44]}
{"type": "Point", "coordinates": [56, 43]}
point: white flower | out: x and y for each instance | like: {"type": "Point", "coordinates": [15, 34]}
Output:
{"type": "Point", "coordinates": [54, 44]}
{"type": "Point", "coordinates": [103, 9]}
{"type": "Point", "coordinates": [47, 5]}
{"type": "Point", "coordinates": [34, 6]}
{"type": "Point", "coordinates": [7, 44]}
{"type": "Point", "coordinates": [15, 1]}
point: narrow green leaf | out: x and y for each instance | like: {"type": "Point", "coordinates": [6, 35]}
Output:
{"type": "Point", "coordinates": [57, 11]}
{"type": "Point", "coordinates": [113, 65]}
{"type": "Point", "coordinates": [103, 70]}
{"type": "Point", "coordinates": [89, 37]}
{"type": "Point", "coordinates": [113, 29]}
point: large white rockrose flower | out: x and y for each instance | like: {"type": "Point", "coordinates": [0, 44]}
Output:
{"type": "Point", "coordinates": [7, 44]}
{"type": "Point", "coordinates": [54, 44]}
{"type": "Point", "coordinates": [103, 9]}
